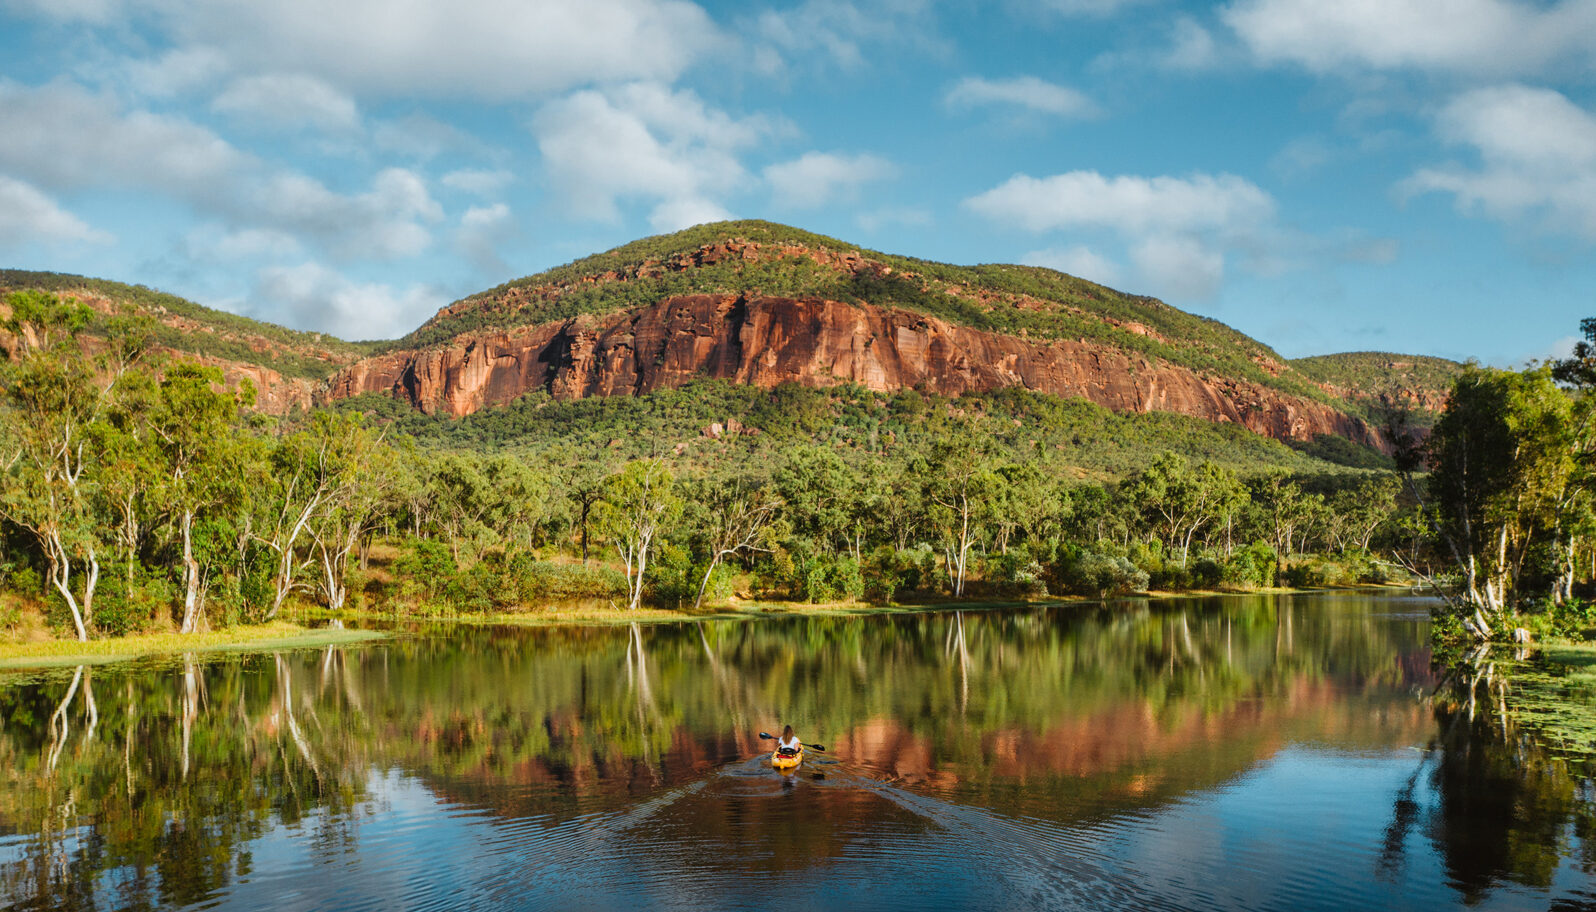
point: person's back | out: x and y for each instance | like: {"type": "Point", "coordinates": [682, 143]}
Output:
{"type": "Point", "coordinates": [788, 743]}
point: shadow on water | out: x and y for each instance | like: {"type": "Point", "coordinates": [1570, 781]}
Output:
{"type": "Point", "coordinates": [1228, 753]}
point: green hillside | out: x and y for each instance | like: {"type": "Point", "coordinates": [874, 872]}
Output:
{"type": "Point", "coordinates": [1371, 371]}
{"type": "Point", "coordinates": [182, 325]}
{"type": "Point", "coordinates": [1070, 437]}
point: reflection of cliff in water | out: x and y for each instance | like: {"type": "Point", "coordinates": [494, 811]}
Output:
{"type": "Point", "coordinates": [1120, 707]}
{"type": "Point", "coordinates": [1065, 713]}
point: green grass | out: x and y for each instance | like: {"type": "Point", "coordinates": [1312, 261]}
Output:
{"type": "Point", "coordinates": [250, 638]}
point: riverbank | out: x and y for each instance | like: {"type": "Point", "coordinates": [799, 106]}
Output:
{"type": "Point", "coordinates": [296, 632]}
{"type": "Point", "coordinates": [607, 613]}
{"type": "Point", "coordinates": [249, 637]}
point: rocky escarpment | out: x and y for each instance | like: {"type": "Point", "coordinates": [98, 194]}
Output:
{"type": "Point", "coordinates": [770, 340]}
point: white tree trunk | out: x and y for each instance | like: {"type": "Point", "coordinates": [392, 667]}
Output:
{"type": "Point", "coordinates": [61, 578]}
{"type": "Point", "coordinates": [190, 575]}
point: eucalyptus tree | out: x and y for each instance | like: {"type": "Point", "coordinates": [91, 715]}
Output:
{"type": "Point", "coordinates": [1032, 504]}
{"type": "Point", "coordinates": [53, 398]}
{"type": "Point", "coordinates": [899, 512]}
{"type": "Point", "coordinates": [821, 493]}
{"type": "Point", "coordinates": [521, 499]}
{"type": "Point", "coordinates": [362, 472]}
{"type": "Point", "coordinates": [465, 503]}
{"type": "Point", "coordinates": [193, 421]}
{"type": "Point", "coordinates": [1179, 500]}
{"type": "Point", "coordinates": [1284, 512]}
{"type": "Point", "coordinates": [297, 488]}
{"type": "Point", "coordinates": [1501, 460]}
{"type": "Point", "coordinates": [129, 471]}
{"type": "Point", "coordinates": [1357, 513]}
{"type": "Point", "coordinates": [640, 501]}
{"type": "Point", "coordinates": [1577, 503]}
{"type": "Point", "coordinates": [958, 489]}
{"type": "Point", "coordinates": [742, 514]}
{"type": "Point", "coordinates": [583, 488]}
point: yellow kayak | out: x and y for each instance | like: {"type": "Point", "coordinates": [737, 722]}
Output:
{"type": "Point", "coordinates": [788, 762]}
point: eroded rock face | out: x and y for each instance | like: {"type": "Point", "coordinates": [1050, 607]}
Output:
{"type": "Point", "coordinates": [766, 341]}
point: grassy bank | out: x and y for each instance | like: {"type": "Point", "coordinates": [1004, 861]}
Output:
{"type": "Point", "coordinates": [607, 612]}
{"type": "Point", "coordinates": [251, 637]}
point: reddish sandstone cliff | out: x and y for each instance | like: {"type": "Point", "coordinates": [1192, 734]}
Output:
{"type": "Point", "coordinates": [769, 340]}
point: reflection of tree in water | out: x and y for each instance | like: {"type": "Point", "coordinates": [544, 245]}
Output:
{"type": "Point", "coordinates": [1506, 810]}
{"type": "Point", "coordinates": [1042, 711]}
{"type": "Point", "coordinates": [169, 791]}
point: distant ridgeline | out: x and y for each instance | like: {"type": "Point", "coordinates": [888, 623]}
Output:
{"type": "Point", "coordinates": [285, 365]}
{"type": "Point", "coordinates": [764, 306]}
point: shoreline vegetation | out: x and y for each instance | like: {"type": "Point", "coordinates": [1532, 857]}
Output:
{"type": "Point", "coordinates": [294, 631]}
{"type": "Point", "coordinates": [145, 496]}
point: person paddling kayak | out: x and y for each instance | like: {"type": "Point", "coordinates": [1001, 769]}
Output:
{"type": "Point", "coordinates": [789, 750]}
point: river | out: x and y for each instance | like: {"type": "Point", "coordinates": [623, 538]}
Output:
{"type": "Point", "coordinates": [1263, 752]}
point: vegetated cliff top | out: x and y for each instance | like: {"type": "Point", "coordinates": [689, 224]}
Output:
{"type": "Point", "coordinates": [184, 326]}
{"type": "Point", "coordinates": [1366, 370]}
{"type": "Point", "coordinates": [1420, 382]}
{"type": "Point", "coordinates": [764, 258]}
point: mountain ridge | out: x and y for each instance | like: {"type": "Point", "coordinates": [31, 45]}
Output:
{"type": "Point", "coordinates": [764, 303]}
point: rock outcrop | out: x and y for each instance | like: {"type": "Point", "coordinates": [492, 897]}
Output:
{"type": "Point", "coordinates": [770, 340]}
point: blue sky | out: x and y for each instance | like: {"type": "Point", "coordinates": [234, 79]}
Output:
{"type": "Point", "coordinates": [1405, 175]}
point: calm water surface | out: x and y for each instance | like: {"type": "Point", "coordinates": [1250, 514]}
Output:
{"type": "Point", "coordinates": [1237, 753]}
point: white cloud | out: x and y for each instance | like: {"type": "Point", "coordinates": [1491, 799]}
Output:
{"type": "Point", "coordinates": [1024, 91]}
{"type": "Point", "coordinates": [1492, 36]}
{"type": "Point", "coordinates": [280, 100]}
{"type": "Point", "coordinates": [1132, 205]}
{"type": "Point", "coordinates": [418, 136]}
{"type": "Point", "coordinates": [314, 297]}
{"type": "Point", "coordinates": [1537, 154]}
{"type": "Point", "coordinates": [477, 182]}
{"type": "Point", "coordinates": [1180, 266]}
{"type": "Point", "coordinates": [838, 31]}
{"type": "Point", "coordinates": [79, 140]}
{"type": "Point", "coordinates": [490, 49]}
{"type": "Point", "coordinates": [212, 242]}
{"type": "Point", "coordinates": [176, 72]}
{"type": "Point", "coordinates": [822, 178]}
{"type": "Point", "coordinates": [26, 214]}
{"type": "Point", "coordinates": [1178, 231]}
{"type": "Point", "coordinates": [481, 230]}
{"type": "Point", "coordinates": [1077, 261]}
{"type": "Point", "coordinates": [384, 222]}
{"type": "Point", "coordinates": [1191, 47]}
{"type": "Point", "coordinates": [648, 143]}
